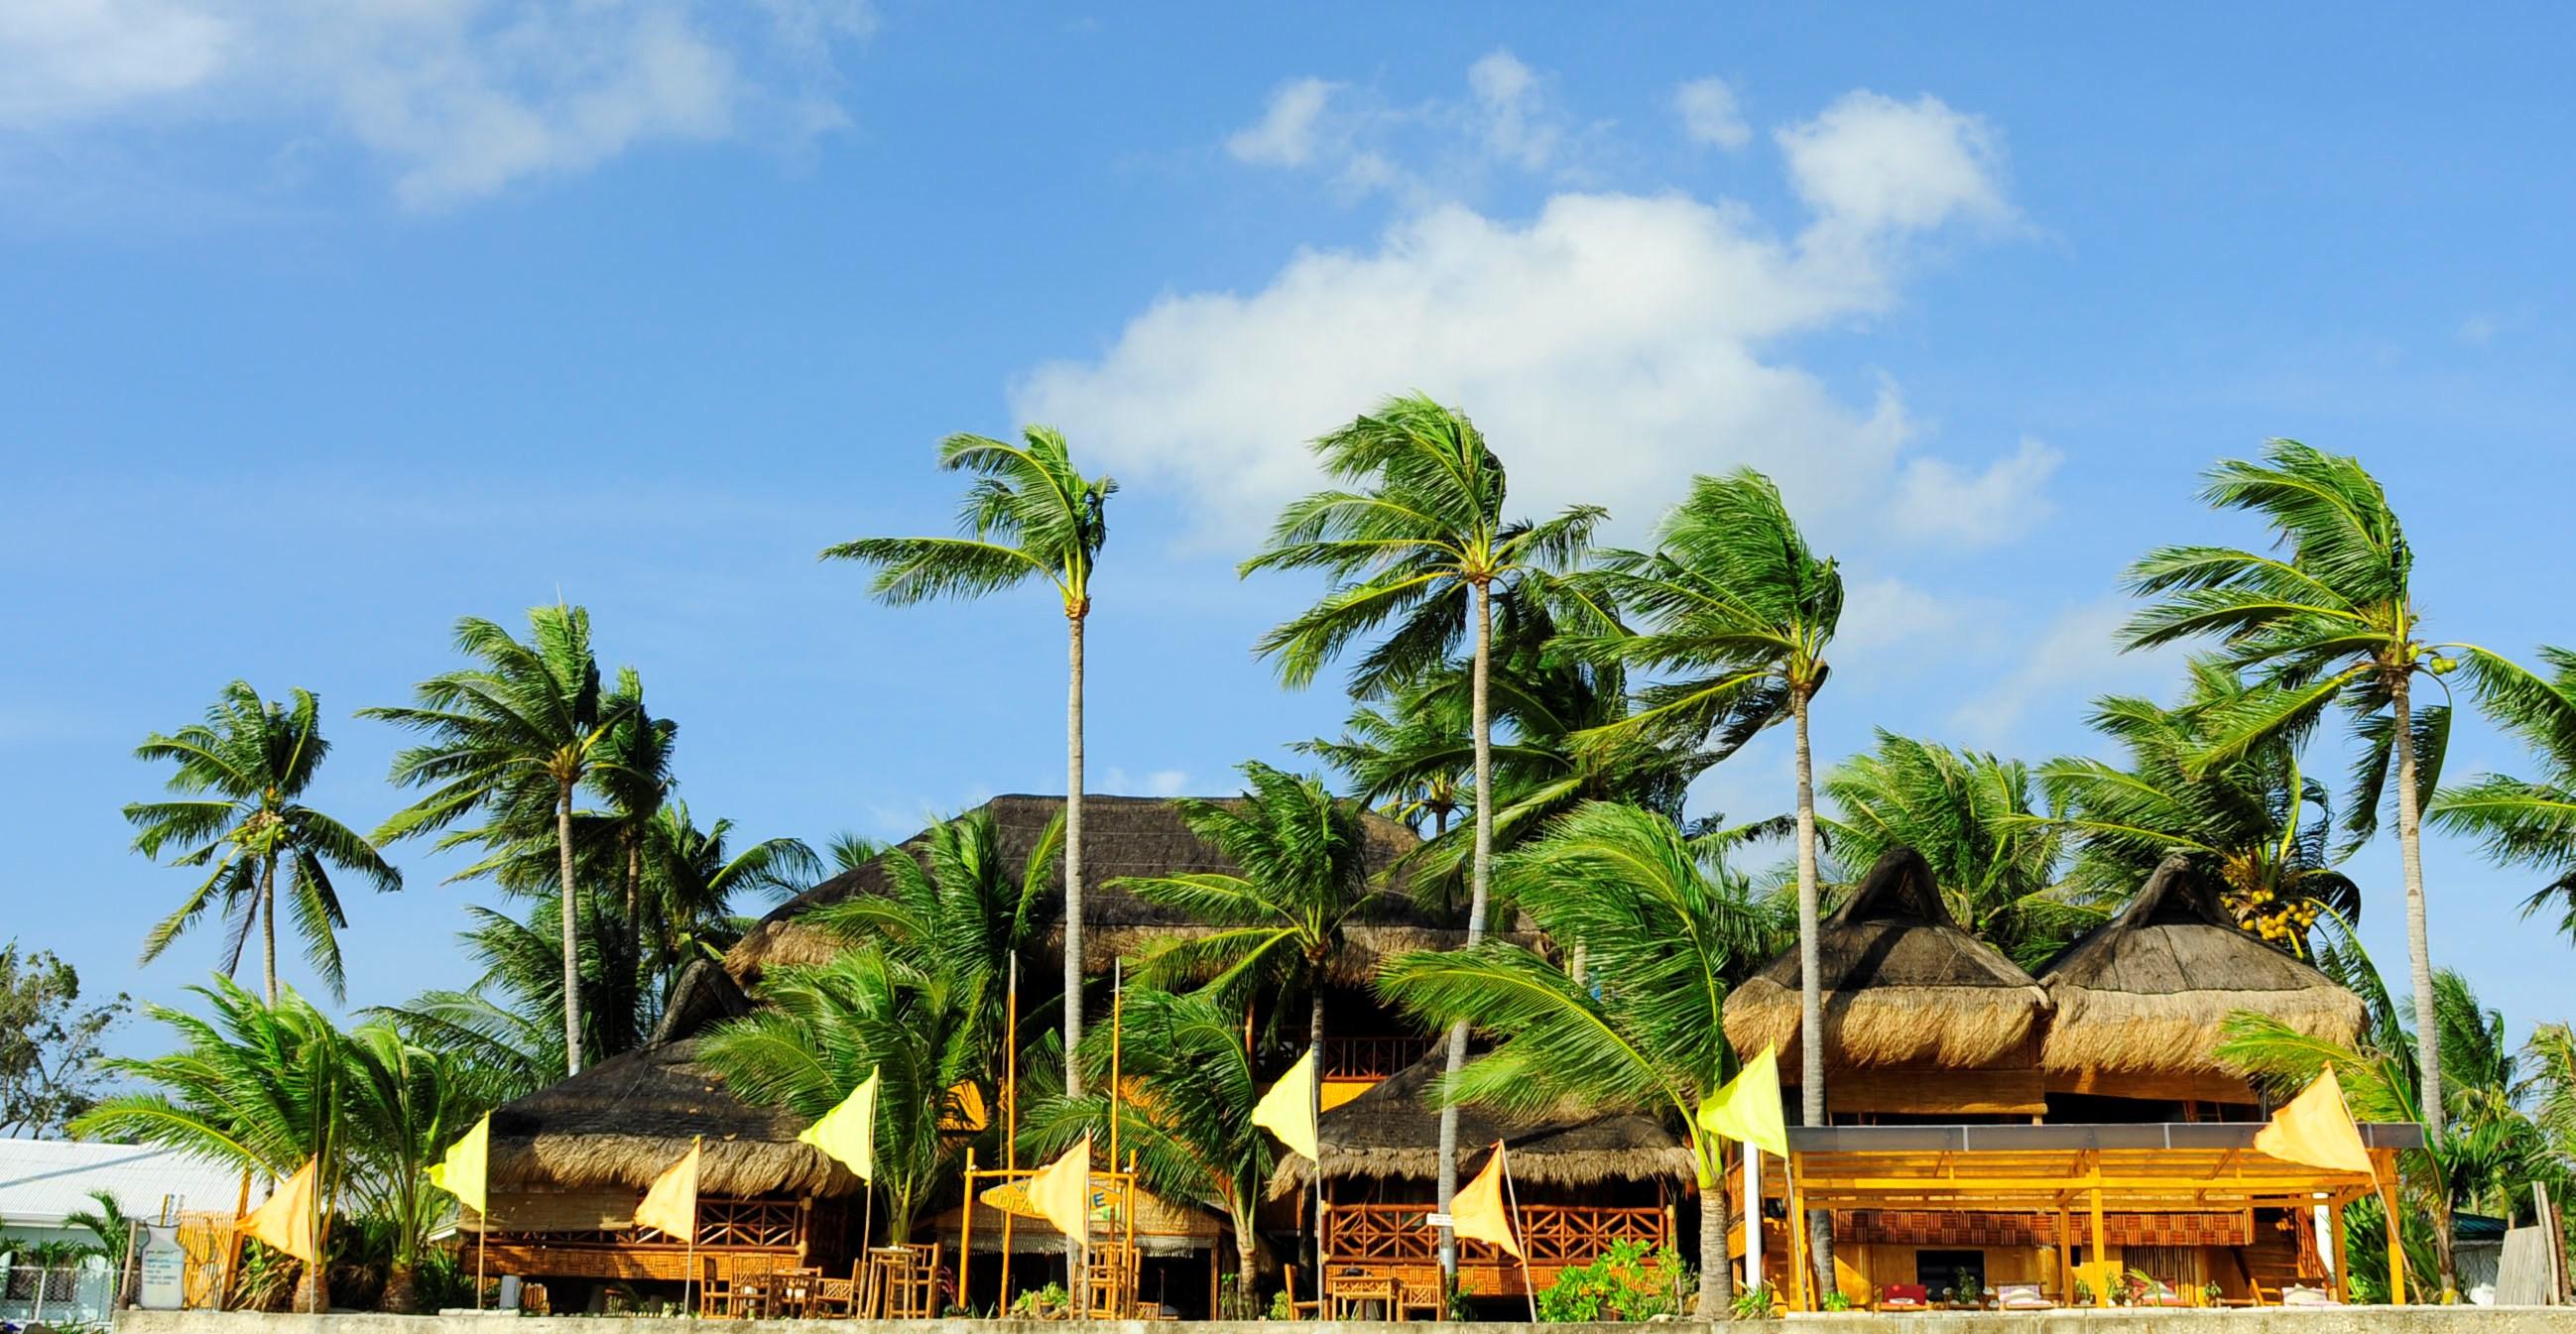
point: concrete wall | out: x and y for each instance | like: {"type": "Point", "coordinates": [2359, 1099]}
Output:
{"type": "Point", "coordinates": [2348, 1320]}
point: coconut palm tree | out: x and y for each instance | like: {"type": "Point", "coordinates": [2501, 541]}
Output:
{"type": "Point", "coordinates": [691, 877]}
{"type": "Point", "coordinates": [634, 783]}
{"type": "Point", "coordinates": [239, 777]}
{"type": "Point", "coordinates": [2257, 820]}
{"type": "Point", "coordinates": [518, 733]}
{"type": "Point", "coordinates": [1975, 818]}
{"type": "Point", "coordinates": [1739, 611]}
{"type": "Point", "coordinates": [2329, 622]}
{"type": "Point", "coordinates": [1669, 929]}
{"type": "Point", "coordinates": [1280, 921]}
{"type": "Point", "coordinates": [253, 1086]}
{"type": "Point", "coordinates": [1189, 1120]}
{"type": "Point", "coordinates": [2527, 822]}
{"type": "Point", "coordinates": [1411, 755]}
{"type": "Point", "coordinates": [957, 905]}
{"type": "Point", "coordinates": [107, 1223]}
{"type": "Point", "coordinates": [1421, 550]}
{"type": "Point", "coordinates": [404, 1103]}
{"type": "Point", "coordinates": [823, 1029]}
{"type": "Point", "coordinates": [1032, 516]}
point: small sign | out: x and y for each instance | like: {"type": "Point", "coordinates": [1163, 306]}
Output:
{"type": "Point", "coordinates": [165, 1270]}
{"type": "Point", "coordinates": [1436, 1220]}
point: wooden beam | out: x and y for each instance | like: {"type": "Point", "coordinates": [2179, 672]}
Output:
{"type": "Point", "coordinates": [2334, 1228]}
{"type": "Point", "coordinates": [2387, 1160]}
{"type": "Point", "coordinates": [2101, 1246]}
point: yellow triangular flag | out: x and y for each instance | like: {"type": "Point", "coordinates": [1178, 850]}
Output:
{"type": "Point", "coordinates": [1476, 1213]}
{"type": "Point", "coordinates": [1748, 1108]}
{"type": "Point", "coordinates": [290, 1219]}
{"type": "Point", "coordinates": [670, 1206]}
{"type": "Point", "coordinates": [1061, 1191]}
{"type": "Point", "coordinates": [849, 1132]}
{"type": "Point", "coordinates": [1288, 1109]}
{"type": "Point", "coordinates": [2316, 1128]}
{"type": "Point", "coordinates": [467, 1169]}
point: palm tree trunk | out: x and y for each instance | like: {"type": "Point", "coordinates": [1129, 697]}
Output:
{"type": "Point", "coordinates": [1811, 982]}
{"type": "Point", "coordinates": [633, 968]}
{"type": "Point", "coordinates": [571, 935]}
{"type": "Point", "coordinates": [268, 923]}
{"type": "Point", "coordinates": [1479, 881]}
{"type": "Point", "coordinates": [2419, 952]}
{"type": "Point", "coordinates": [1073, 854]}
{"type": "Point", "coordinates": [1247, 1272]}
{"type": "Point", "coordinates": [1716, 1267]}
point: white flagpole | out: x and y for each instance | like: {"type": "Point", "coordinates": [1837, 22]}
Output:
{"type": "Point", "coordinates": [1752, 1217]}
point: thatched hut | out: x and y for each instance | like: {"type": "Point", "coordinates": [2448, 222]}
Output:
{"type": "Point", "coordinates": [1583, 1180]}
{"type": "Point", "coordinates": [1908, 996]}
{"type": "Point", "coordinates": [2140, 1000]}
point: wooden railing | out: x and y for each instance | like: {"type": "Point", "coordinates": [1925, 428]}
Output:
{"type": "Point", "coordinates": [1371, 1057]}
{"type": "Point", "coordinates": [725, 1226]}
{"type": "Point", "coordinates": [1554, 1235]}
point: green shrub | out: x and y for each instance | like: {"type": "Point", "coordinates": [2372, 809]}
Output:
{"type": "Point", "coordinates": [1628, 1282]}
{"type": "Point", "coordinates": [1755, 1303]}
{"type": "Point", "coordinates": [1040, 1303]}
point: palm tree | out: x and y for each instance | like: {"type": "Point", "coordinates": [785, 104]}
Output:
{"type": "Point", "coordinates": [1740, 610]}
{"type": "Point", "coordinates": [106, 1222]}
{"type": "Point", "coordinates": [2257, 820]}
{"type": "Point", "coordinates": [1279, 923]}
{"type": "Point", "coordinates": [634, 784]}
{"type": "Point", "coordinates": [1411, 755]}
{"type": "Point", "coordinates": [1190, 1119]}
{"type": "Point", "coordinates": [404, 1104]}
{"type": "Point", "coordinates": [823, 1029]}
{"type": "Point", "coordinates": [1669, 929]}
{"type": "Point", "coordinates": [957, 907]}
{"type": "Point", "coordinates": [691, 876]}
{"type": "Point", "coordinates": [1420, 551]}
{"type": "Point", "coordinates": [1031, 516]}
{"type": "Point", "coordinates": [519, 733]}
{"type": "Point", "coordinates": [240, 774]}
{"type": "Point", "coordinates": [1974, 817]}
{"type": "Point", "coordinates": [2527, 822]}
{"type": "Point", "coordinates": [2333, 622]}
{"type": "Point", "coordinates": [253, 1086]}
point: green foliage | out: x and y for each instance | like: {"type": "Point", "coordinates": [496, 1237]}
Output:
{"type": "Point", "coordinates": [2526, 822]}
{"type": "Point", "coordinates": [49, 1042]}
{"type": "Point", "coordinates": [1628, 1281]}
{"type": "Point", "coordinates": [106, 1223]}
{"type": "Point", "coordinates": [238, 775]}
{"type": "Point", "coordinates": [1031, 515]}
{"type": "Point", "coordinates": [1975, 819]}
{"type": "Point", "coordinates": [1834, 1300]}
{"type": "Point", "coordinates": [1282, 1306]}
{"type": "Point", "coordinates": [1756, 1302]}
{"type": "Point", "coordinates": [1043, 1303]}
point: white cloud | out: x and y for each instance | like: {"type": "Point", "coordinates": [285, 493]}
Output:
{"type": "Point", "coordinates": [1710, 115]}
{"type": "Point", "coordinates": [1518, 123]}
{"type": "Point", "coordinates": [1936, 500]}
{"type": "Point", "coordinates": [1881, 164]}
{"type": "Point", "coordinates": [1885, 612]}
{"type": "Point", "coordinates": [1159, 783]}
{"type": "Point", "coordinates": [2478, 330]}
{"type": "Point", "coordinates": [459, 98]}
{"type": "Point", "coordinates": [1285, 134]}
{"type": "Point", "coordinates": [2075, 658]}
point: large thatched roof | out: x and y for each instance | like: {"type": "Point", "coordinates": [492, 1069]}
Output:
{"type": "Point", "coordinates": [1903, 985]}
{"type": "Point", "coordinates": [2148, 990]}
{"type": "Point", "coordinates": [624, 1121]}
{"type": "Point", "coordinates": [1393, 1130]}
{"type": "Point", "coordinates": [1122, 836]}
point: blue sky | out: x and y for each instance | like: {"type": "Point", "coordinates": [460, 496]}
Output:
{"type": "Point", "coordinates": [320, 332]}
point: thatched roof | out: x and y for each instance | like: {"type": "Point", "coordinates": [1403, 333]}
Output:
{"type": "Point", "coordinates": [2148, 990]}
{"type": "Point", "coordinates": [624, 1121]}
{"type": "Point", "coordinates": [1122, 836]}
{"type": "Point", "coordinates": [1903, 985]}
{"type": "Point", "coordinates": [1393, 1130]}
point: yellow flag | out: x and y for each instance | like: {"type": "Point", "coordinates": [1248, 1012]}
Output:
{"type": "Point", "coordinates": [849, 1132]}
{"type": "Point", "coordinates": [670, 1206]}
{"type": "Point", "coordinates": [1476, 1213]}
{"type": "Point", "coordinates": [1288, 1109]}
{"type": "Point", "coordinates": [2316, 1128]}
{"type": "Point", "coordinates": [1061, 1191]}
{"type": "Point", "coordinates": [1748, 1108]}
{"type": "Point", "coordinates": [467, 1169]}
{"type": "Point", "coordinates": [290, 1219]}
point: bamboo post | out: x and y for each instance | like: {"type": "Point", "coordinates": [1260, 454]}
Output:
{"type": "Point", "coordinates": [1529, 1283]}
{"type": "Point", "coordinates": [2387, 1162]}
{"type": "Point", "coordinates": [2101, 1247]}
{"type": "Point", "coordinates": [1752, 1215]}
{"type": "Point", "coordinates": [1801, 1263]}
{"type": "Point", "coordinates": [1010, 1136]}
{"type": "Point", "coordinates": [966, 1239]}
{"type": "Point", "coordinates": [2334, 1228]}
{"type": "Point", "coordinates": [2065, 1255]}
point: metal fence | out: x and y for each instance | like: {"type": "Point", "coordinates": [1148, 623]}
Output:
{"type": "Point", "coordinates": [71, 1295]}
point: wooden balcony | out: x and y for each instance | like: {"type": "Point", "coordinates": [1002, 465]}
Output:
{"type": "Point", "coordinates": [773, 1226]}
{"type": "Point", "coordinates": [1391, 1241]}
{"type": "Point", "coordinates": [1370, 1059]}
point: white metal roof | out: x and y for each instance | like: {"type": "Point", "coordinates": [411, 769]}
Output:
{"type": "Point", "coordinates": [41, 1180]}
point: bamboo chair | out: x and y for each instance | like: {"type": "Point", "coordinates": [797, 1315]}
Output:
{"type": "Point", "coordinates": [712, 1286]}
{"type": "Point", "coordinates": [792, 1291]}
{"type": "Point", "coordinates": [840, 1296]}
{"type": "Point", "coordinates": [921, 1293]}
{"type": "Point", "coordinates": [747, 1294]}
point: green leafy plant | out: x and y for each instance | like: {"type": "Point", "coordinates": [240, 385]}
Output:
{"type": "Point", "coordinates": [1282, 1306]}
{"type": "Point", "coordinates": [2084, 1295]}
{"type": "Point", "coordinates": [1042, 1303]}
{"type": "Point", "coordinates": [1836, 1301]}
{"type": "Point", "coordinates": [1630, 1281]}
{"type": "Point", "coordinates": [1756, 1302]}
